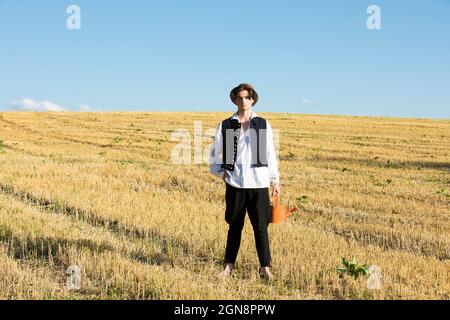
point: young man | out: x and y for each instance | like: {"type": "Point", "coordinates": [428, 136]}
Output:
{"type": "Point", "coordinates": [243, 155]}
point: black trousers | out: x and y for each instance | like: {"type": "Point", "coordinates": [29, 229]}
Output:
{"type": "Point", "coordinates": [257, 203]}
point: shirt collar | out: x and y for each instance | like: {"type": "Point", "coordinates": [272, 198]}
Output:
{"type": "Point", "coordinates": [235, 115]}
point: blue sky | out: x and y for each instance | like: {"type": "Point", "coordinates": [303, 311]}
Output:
{"type": "Point", "coordinates": [315, 57]}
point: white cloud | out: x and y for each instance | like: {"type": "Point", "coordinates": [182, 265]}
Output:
{"type": "Point", "coordinates": [31, 105]}
{"type": "Point", "coordinates": [309, 101]}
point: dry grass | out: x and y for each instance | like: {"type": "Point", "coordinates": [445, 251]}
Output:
{"type": "Point", "coordinates": [99, 190]}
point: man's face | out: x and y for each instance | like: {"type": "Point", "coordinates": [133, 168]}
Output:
{"type": "Point", "coordinates": [243, 100]}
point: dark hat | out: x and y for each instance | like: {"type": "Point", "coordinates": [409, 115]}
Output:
{"type": "Point", "coordinates": [244, 86]}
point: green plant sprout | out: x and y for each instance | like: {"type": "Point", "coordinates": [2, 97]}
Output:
{"type": "Point", "coordinates": [352, 268]}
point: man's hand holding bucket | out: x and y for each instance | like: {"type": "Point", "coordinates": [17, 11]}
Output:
{"type": "Point", "coordinates": [276, 189]}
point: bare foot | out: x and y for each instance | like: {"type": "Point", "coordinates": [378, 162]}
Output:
{"type": "Point", "coordinates": [227, 271]}
{"type": "Point", "coordinates": [264, 272]}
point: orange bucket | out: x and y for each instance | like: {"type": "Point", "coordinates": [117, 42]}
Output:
{"type": "Point", "coordinates": [279, 212]}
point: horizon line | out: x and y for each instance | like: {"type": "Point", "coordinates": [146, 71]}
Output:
{"type": "Point", "coordinates": [204, 111]}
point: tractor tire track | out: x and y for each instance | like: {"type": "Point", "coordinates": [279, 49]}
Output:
{"type": "Point", "coordinates": [63, 138]}
{"type": "Point", "coordinates": [167, 243]}
{"type": "Point", "coordinates": [384, 240]}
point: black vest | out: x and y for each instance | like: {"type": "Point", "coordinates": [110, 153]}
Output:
{"type": "Point", "coordinates": [230, 142]}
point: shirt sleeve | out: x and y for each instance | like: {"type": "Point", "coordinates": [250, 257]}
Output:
{"type": "Point", "coordinates": [274, 175]}
{"type": "Point", "coordinates": [216, 158]}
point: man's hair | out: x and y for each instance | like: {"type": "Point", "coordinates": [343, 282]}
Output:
{"type": "Point", "coordinates": [242, 87]}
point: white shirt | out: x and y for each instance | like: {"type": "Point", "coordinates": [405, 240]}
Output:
{"type": "Point", "coordinates": [244, 175]}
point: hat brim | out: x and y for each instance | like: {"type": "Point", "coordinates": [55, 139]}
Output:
{"type": "Point", "coordinates": [242, 87]}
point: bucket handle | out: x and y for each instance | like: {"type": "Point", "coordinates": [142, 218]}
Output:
{"type": "Point", "coordinates": [275, 200]}
{"type": "Point", "coordinates": [289, 210]}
